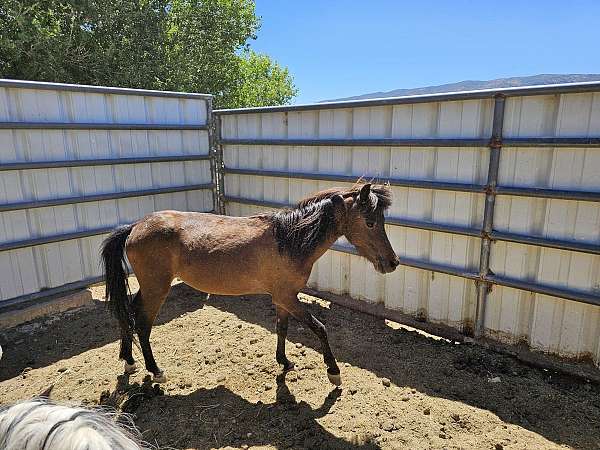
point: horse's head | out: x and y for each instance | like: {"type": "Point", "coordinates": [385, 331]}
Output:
{"type": "Point", "coordinates": [363, 224]}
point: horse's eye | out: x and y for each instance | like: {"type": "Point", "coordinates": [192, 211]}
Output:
{"type": "Point", "coordinates": [370, 224]}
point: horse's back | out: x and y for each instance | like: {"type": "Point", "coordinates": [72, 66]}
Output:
{"type": "Point", "coordinates": [202, 248]}
{"type": "Point", "coordinates": [192, 227]}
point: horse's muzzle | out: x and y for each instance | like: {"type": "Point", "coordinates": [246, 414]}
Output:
{"type": "Point", "coordinates": [386, 265]}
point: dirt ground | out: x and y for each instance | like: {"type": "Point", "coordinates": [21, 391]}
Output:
{"type": "Point", "coordinates": [402, 389]}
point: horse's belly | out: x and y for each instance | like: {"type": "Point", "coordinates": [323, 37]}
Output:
{"type": "Point", "coordinates": [222, 283]}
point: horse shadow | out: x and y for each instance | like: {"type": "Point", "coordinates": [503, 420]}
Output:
{"type": "Point", "coordinates": [541, 401]}
{"type": "Point", "coordinates": [563, 411]}
{"type": "Point", "coordinates": [218, 417]}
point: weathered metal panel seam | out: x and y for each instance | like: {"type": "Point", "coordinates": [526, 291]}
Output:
{"type": "Point", "coordinates": [220, 166]}
{"type": "Point", "coordinates": [99, 126]}
{"type": "Point", "coordinates": [100, 197]}
{"type": "Point", "coordinates": [521, 191]}
{"type": "Point", "coordinates": [551, 142]}
{"type": "Point", "coordinates": [60, 164]}
{"type": "Point", "coordinates": [212, 156]}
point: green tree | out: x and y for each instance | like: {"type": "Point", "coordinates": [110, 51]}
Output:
{"type": "Point", "coordinates": [262, 82]}
{"type": "Point", "coordinates": [109, 42]}
{"type": "Point", "coordinates": [183, 45]}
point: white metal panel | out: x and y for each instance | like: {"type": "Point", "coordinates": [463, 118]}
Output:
{"type": "Point", "coordinates": [546, 323]}
{"type": "Point", "coordinates": [30, 270]}
{"type": "Point", "coordinates": [549, 324]}
{"type": "Point", "coordinates": [231, 158]}
{"type": "Point", "coordinates": [439, 298]}
{"type": "Point", "coordinates": [303, 125]}
{"type": "Point", "coordinates": [332, 271]}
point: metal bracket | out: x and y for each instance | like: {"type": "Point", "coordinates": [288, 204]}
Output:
{"type": "Point", "coordinates": [495, 142]}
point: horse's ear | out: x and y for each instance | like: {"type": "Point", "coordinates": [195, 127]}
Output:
{"type": "Point", "coordinates": [364, 193]}
{"type": "Point", "coordinates": [339, 209]}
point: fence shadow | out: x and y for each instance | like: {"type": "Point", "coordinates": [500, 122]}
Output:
{"type": "Point", "coordinates": [564, 411]}
{"type": "Point", "coordinates": [537, 400]}
{"type": "Point", "coordinates": [71, 333]}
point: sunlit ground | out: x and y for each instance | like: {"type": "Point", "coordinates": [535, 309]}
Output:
{"type": "Point", "coordinates": [403, 388]}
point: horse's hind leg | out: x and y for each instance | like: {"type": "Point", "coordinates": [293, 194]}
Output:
{"type": "Point", "coordinates": [151, 296]}
{"type": "Point", "coordinates": [126, 353]}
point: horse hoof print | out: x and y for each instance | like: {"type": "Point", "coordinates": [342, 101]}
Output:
{"type": "Point", "coordinates": [160, 378]}
{"type": "Point", "coordinates": [336, 380]}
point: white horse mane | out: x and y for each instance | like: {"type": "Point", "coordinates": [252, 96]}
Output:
{"type": "Point", "coordinates": [39, 424]}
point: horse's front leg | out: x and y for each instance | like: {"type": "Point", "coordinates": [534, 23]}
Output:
{"type": "Point", "coordinates": [282, 329]}
{"type": "Point", "coordinates": [293, 306]}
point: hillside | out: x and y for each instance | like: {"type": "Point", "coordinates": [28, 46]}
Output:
{"type": "Point", "coordinates": [471, 85]}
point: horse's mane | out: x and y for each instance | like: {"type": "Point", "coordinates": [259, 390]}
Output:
{"type": "Point", "coordinates": [40, 423]}
{"type": "Point", "coordinates": [382, 192]}
{"type": "Point", "coordinates": [300, 230]}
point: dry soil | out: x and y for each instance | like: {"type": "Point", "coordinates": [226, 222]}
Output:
{"type": "Point", "coordinates": [401, 388]}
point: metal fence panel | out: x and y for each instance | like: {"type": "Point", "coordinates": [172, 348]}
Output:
{"type": "Point", "coordinates": [438, 298]}
{"type": "Point", "coordinates": [545, 240]}
{"type": "Point", "coordinates": [526, 214]}
{"type": "Point", "coordinates": [32, 269]}
{"type": "Point", "coordinates": [550, 324]}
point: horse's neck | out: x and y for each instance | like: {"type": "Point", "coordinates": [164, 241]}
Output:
{"type": "Point", "coordinates": [323, 247]}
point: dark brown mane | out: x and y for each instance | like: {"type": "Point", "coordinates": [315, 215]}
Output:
{"type": "Point", "coordinates": [300, 230]}
{"type": "Point", "coordinates": [381, 191]}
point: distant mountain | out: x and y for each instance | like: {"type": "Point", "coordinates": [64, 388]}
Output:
{"type": "Point", "coordinates": [472, 85]}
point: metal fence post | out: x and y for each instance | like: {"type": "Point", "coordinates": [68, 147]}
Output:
{"type": "Point", "coordinates": [216, 160]}
{"type": "Point", "coordinates": [212, 153]}
{"type": "Point", "coordinates": [220, 166]}
{"type": "Point", "coordinates": [483, 286]}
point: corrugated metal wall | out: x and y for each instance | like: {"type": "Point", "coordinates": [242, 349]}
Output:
{"type": "Point", "coordinates": [76, 161]}
{"type": "Point", "coordinates": [564, 327]}
{"type": "Point", "coordinates": [550, 324]}
{"type": "Point", "coordinates": [39, 125]}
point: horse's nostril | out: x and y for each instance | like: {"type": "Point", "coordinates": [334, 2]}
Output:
{"type": "Point", "coordinates": [394, 262]}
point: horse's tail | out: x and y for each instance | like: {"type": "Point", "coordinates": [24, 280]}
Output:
{"type": "Point", "coordinates": [117, 287]}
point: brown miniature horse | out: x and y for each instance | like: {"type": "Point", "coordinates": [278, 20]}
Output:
{"type": "Point", "coordinates": [264, 254]}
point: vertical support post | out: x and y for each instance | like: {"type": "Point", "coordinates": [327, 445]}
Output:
{"type": "Point", "coordinates": [483, 286]}
{"type": "Point", "coordinates": [219, 169]}
{"type": "Point", "coordinates": [212, 153]}
{"type": "Point", "coordinates": [216, 158]}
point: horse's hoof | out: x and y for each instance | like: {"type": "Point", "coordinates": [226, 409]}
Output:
{"type": "Point", "coordinates": [290, 367]}
{"type": "Point", "coordinates": [160, 377]}
{"type": "Point", "coordinates": [335, 379]}
{"type": "Point", "coordinates": [130, 368]}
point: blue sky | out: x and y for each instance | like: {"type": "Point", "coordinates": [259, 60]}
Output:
{"type": "Point", "coordinates": [342, 48]}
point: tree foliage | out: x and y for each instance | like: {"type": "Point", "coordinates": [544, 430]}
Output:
{"type": "Point", "coordinates": [262, 82]}
{"type": "Point", "coordinates": [182, 45]}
